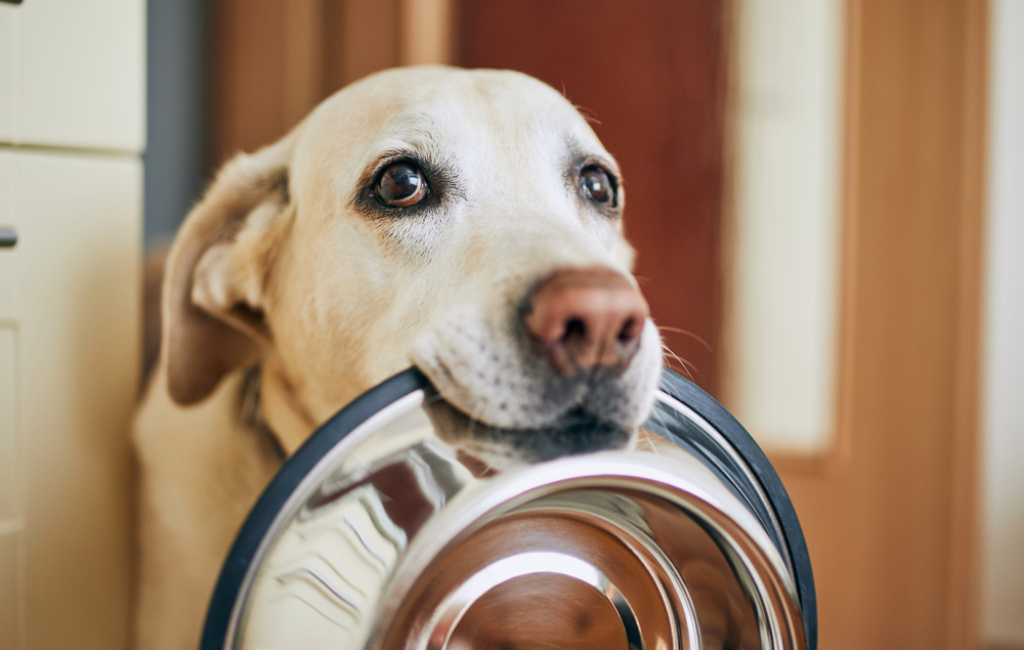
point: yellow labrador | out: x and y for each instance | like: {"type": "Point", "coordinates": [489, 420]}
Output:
{"type": "Point", "coordinates": [467, 222]}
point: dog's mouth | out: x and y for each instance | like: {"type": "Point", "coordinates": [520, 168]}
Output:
{"type": "Point", "coordinates": [576, 432]}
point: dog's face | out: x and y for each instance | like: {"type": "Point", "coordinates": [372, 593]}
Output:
{"type": "Point", "coordinates": [469, 222]}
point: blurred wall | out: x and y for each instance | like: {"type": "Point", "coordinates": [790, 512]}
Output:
{"type": "Point", "coordinates": [1004, 333]}
{"type": "Point", "coordinates": [176, 154]}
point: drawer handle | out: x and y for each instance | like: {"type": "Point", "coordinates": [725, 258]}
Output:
{"type": "Point", "coordinates": [8, 237]}
{"type": "Point", "coordinates": [12, 2]}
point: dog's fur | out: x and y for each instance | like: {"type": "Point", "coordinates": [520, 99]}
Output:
{"type": "Point", "coordinates": [289, 281]}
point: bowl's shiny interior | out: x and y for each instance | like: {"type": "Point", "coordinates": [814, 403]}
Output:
{"type": "Point", "coordinates": [395, 539]}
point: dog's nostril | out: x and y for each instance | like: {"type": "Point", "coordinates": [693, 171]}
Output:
{"type": "Point", "coordinates": [626, 333]}
{"type": "Point", "coordinates": [574, 328]}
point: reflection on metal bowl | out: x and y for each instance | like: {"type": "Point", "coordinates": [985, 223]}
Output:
{"type": "Point", "coordinates": [381, 533]}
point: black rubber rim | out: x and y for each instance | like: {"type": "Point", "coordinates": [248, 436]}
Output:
{"type": "Point", "coordinates": [273, 499]}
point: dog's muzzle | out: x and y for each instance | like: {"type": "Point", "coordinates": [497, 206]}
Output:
{"type": "Point", "coordinates": [379, 534]}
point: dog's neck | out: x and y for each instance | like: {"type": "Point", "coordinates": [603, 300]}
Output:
{"type": "Point", "coordinates": [269, 406]}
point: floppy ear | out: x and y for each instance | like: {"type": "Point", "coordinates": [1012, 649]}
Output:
{"type": "Point", "coordinates": [214, 284]}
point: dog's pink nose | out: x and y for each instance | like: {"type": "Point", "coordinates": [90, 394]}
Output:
{"type": "Point", "coordinates": [586, 318]}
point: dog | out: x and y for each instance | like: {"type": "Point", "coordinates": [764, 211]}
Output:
{"type": "Point", "coordinates": [465, 222]}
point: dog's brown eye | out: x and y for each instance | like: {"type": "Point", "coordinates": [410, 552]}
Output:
{"type": "Point", "coordinates": [597, 184]}
{"type": "Point", "coordinates": [401, 185]}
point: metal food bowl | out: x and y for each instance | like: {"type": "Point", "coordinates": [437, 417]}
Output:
{"type": "Point", "coordinates": [378, 533]}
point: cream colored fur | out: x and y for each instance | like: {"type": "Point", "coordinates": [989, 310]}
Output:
{"type": "Point", "coordinates": [282, 266]}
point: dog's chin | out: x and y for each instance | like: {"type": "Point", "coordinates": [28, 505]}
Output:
{"type": "Point", "coordinates": [571, 434]}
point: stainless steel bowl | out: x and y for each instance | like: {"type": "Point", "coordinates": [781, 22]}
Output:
{"type": "Point", "coordinates": [380, 533]}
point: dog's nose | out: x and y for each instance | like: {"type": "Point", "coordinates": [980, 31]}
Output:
{"type": "Point", "coordinates": [585, 318]}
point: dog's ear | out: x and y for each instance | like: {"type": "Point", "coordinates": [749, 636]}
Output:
{"type": "Point", "coordinates": [214, 284]}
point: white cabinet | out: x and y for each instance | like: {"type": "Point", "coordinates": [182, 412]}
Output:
{"type": "Point", "coordinates": [72, 119]}
{"type": "Point", "coordinates": [69, 353]}
{"type": "Point", "coordinates": [72, 74]}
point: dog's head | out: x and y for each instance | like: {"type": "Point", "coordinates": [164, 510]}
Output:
{"type": "Point", "coordinates": [469, 222]}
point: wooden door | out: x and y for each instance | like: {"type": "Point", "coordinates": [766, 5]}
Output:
{"type": "Point", "coordinates": [890, 514]}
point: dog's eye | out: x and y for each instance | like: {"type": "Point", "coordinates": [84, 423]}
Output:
{"type": "Point", "coordinates": [597, 184]}
{"type": "Point", "coordinates": [401, 185]}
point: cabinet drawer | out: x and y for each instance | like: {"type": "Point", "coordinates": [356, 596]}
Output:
{"type": "Point", "coordinates": [72, 73]}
